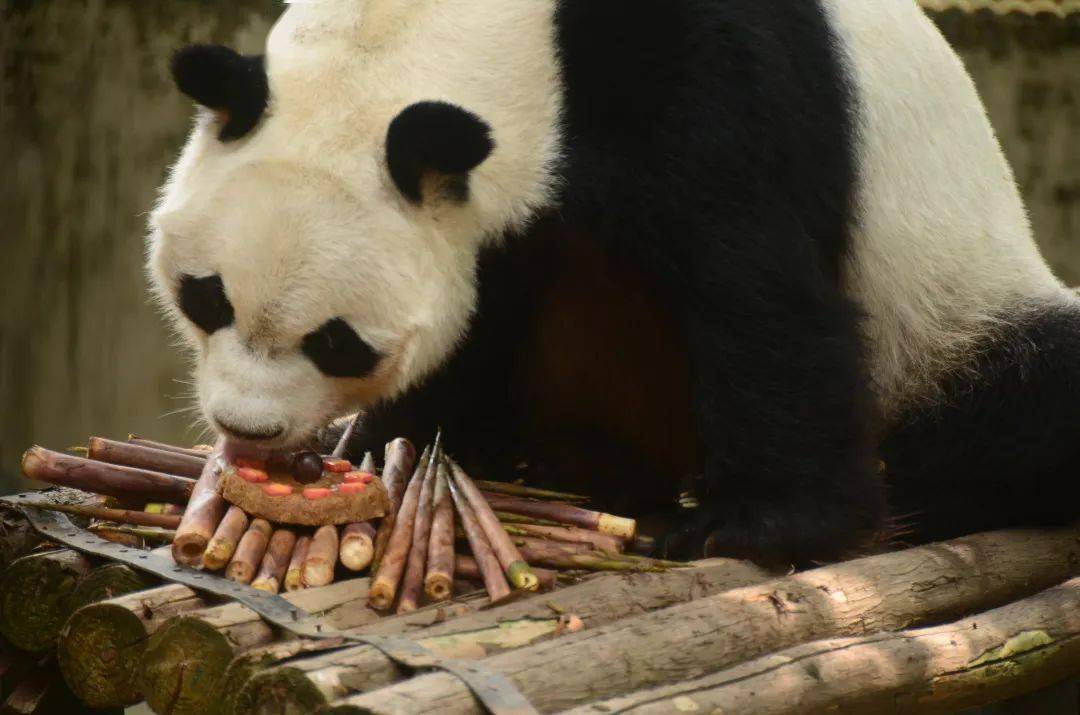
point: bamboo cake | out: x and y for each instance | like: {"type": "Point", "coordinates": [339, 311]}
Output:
{"type": "Point", "coordinates": [331, 503]}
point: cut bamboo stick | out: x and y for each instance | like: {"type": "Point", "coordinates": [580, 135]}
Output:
{"type": "Point", "coordinates": [136, 455]}
{"type": "Point", "coordinates": [102, 478]}
{"type": "Point", "coordinates": [222, 545]}
{"type": "Point", "coordinates": [520, 490]}
{"type": "Point", "coordinates": [490, 569]}
{"type": "Point", "coordinates": [412, 582]}
{"type": "Point", "coordinates": [294, 575]}
{"type": "Point", "coordinates": [322, 554]}
{"type": "Point", "coordinates": [120, 516]}
{"type": "Point", "coordinates": [466, 569]}
{"type": "Point", "coordinates": [571, 535]}
{"type": "Point", "coordinates": [168, 447]}
{"type": "Point", "coordinates": [249, 552]}
{"type": "Point", "coordinates": [204, 513]}
{"type": "Point", "coordinates": [517, 570]}
{"type": "Point", "coordinates": [357, 547]}
{"type": "Point", "coordinates": [565, 514]}
{"type": "Point", "coordinates": [275, 561]}
{"type": "Point", "coordinates": [392, 565]}
{"type": "Point", "coordinates": [397, 467]}
{"type": "Point", "coordinates": [439, 579]}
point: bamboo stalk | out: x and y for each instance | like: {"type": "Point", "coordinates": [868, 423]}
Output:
{"type": "Point", "coordinates": [571, 535]}
{"type": "Point", "coordinates": [439, 580]}
{"type": "Point", "coordinates": [167, 447]}
{"type": "Point", "coordinates": [294, 575]}
{"type": "Point", "coordinates": [136, 455]}
{"type": "Point", "coordinates": [343, 443]}
{"type": "Point", "coordinates": [222, 545]}
{"type": "Point", "coordinates": [357, 547]}
{"type": "Point", "coordinates": [204, 513]}
{"type": "Point", "coordinates": [103, 478]}
{"type": "Point", "coordinates": [517, 570]}
{"type": "Point", "coordinates": [120, 516]}
{"type": "Point", "coordinates": [322, 554]}
{"type": "Point", "coordinates": [491, 570]}
{"type": "Point", "coordinates": [392, 565]}
{"type": "Point", "coordinates": [249, 552]}
{"type": "Point", "coordinates": [397, 466]}
{"type": "Point", "coordinates": [520, 490]}
{"type": "Point", "coordinates": [275, 561]}
{"type": "Point", "coordinates": [518, 519]}
{"type": "Point", "coordinates": [144, 534]}
{"type": "Point", "coordinates": [565, 514]}
{"type": "Point", "coordinates": [412, 582]}
{"type": "Point", "coordinates": [466, 569]}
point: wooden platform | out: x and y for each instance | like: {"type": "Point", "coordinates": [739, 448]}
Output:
{"type": "Point", "coordinates": [930, 629]}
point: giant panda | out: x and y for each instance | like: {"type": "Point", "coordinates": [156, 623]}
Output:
{"type": "Point", "coordinates": [741, 252]}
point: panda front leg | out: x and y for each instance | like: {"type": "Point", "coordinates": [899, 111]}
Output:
{"type": "Point", "coordinates": [783, 413]}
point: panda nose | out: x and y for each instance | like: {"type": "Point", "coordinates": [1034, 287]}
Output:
{"type": "Point", "coordinates": [257, 434]}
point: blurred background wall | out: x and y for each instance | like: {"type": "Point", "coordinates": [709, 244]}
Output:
{"type": "Point", "coordinates": [89, 123]}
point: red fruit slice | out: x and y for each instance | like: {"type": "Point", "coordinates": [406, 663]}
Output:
{"type": "Point", "coordinates": [353, 487]}
{"type": "Point", "coordinates": [337, 465]}
{"type": "Point", "coordinates": [276, 489]}
{"type": "Point", "coordinates": [253, 475]}
{"type": "Point", "coordinates": [364, 477]}
{"type": "Point", "coordinates": [250, 463]}
{"type": "Point", "coordinates": [317, 493]}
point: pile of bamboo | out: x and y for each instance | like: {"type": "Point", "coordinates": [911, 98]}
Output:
{"type": "Point", "coordinates": [442, 526]}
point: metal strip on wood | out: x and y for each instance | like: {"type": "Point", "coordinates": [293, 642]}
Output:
{"type": "Point", "coordinates": [493, 690]}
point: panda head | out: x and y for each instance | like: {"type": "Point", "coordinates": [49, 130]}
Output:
{"type": "Point", "coordinates": [316, 242]}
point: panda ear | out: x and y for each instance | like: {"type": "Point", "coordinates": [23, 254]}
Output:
{"type": "Point", "coordinates": [232, 85]}
{"type": "Point", "coordinates": [436, 138]}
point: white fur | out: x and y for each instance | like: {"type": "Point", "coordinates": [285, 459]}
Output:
{"type": "Point", "coordinates": [943, 250]}
{"type": "Point", "coordinates": [304, 224]}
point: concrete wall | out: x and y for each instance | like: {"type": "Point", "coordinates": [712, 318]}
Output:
{"type": "Point", "coordinates": [89, 122]}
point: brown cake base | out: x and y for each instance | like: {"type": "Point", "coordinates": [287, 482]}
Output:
{"type": "Point", "coordinates": [295, 508]}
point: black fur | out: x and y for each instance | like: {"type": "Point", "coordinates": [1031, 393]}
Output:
{"type": "Point", "coordinates": [439, 137]}
{"type": "Point", "coordinates": [205, 304]}
{"type": "Point", "coordinates": [338, 351]}
{"type": "Point", "coordinates": [221, 79]}
{"type": "Point", "coordinates": [1000, 449]}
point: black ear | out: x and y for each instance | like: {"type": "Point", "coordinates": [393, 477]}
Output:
{"type": "Point", "coordinates": [225, 81]}
{"type": "Point", "coordinates": [438, 137]}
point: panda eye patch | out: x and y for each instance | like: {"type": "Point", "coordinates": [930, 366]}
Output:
{"type": "Point", "coordinates": [338, 351]}
{"type": "Point", "coordinates": [205, 304]}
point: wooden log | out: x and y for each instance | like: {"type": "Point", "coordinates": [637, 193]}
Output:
{"type": "Point", "coordinates": [321, 558]}
{"type": "Point", "coordinates": [1000, 654]}
{"type": "Point", "coordinates": [565, 514]}
{"type": "Point", "coordinates": [305, 685]}
{"type": "Point", "coordinates": [186, 657]}
{"type": "Point", "coordinates": [490, 569]}
{"type": "Point", "coordinates": [439, 577]}
{"type": "Point", "coordinates": [204, 513]}
{"type": "Point", "coordinates": [885, 592]}
{"type": "Point", "coordinates": [249, 552]}
{"type": "Point", "coordinates": [397, 467]}
{"type": "Point", "coordinates": [101, 478]}
{"type": "Point", "coordinates": [392, 564]}
{"type": "Point", "coordinates": [191, 452]}
{"type": "Point", "coordinates": [222, 545]}
{"type": "Point", "coordinates": [517, 570]}
{"type": "Point", "coordinates": [39, 692]}
{"type": "Point", "coordinates": [102, 644]}
{"type": "Point", "coordinates": [137, 455]}
{"type": "Point", "coordinates": [412, 581]}
{"type": "Point", "coordinates": [571, 535]}
{"type": "Point", "coordinates": [294, 575]}
{"type": "Point", "coordinates": [275, 561]}
{"type": "Point", "coordinates": [36, 593]}
{"type": "Point", "coordinates": [357, 545]}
